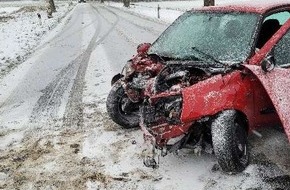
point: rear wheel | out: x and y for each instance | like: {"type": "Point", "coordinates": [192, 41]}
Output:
{"type": "Point", "coordinates": [230, 142]}
{"type": "Point", "coordinates": [121, 109]}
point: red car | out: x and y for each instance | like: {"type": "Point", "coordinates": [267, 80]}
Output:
{"type": "Point", "coordinates": [227, 73]}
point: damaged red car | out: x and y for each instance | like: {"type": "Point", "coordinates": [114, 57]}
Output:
{"type": "Point", "coordinates": [227, 73]}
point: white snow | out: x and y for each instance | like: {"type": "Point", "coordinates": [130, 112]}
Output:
{"type": "Point", "coordinates": [99, 74]}
{"type": "Point", "coordinates": [150, 10]}
{"type": "Point", "coordinates": [170, 10]}
{"type": "Point", "coordinates": [11, 138]}
{"type": "Point", "coordinates": [8, 10]}
{"type": "Point", "coordinates": [22, 31]}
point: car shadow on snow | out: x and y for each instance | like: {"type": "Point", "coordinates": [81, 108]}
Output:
{"type": "Point", "coordinates": [271, 156]}
{"type": "Point", "coordinates": [269, 166]}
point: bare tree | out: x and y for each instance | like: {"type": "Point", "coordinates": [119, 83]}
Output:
{"type": "Point", "coordinates": [126, 3]}
{"type": "Point", "coordinates": [208, 2]}
{"type": "Point", "coordinates": [50, 6]}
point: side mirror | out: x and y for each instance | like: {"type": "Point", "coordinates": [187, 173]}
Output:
{"type": "Point", "coordinates": [268, 64]}
{"type": "Point", "coordinates": [143, 48]}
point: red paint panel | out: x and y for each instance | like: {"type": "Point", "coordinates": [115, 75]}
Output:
{"type": "Point", "coordinates": [216, 94]}
{"type": "Point", "coordinates": [199, 99]}
{"type": "Point", "coordinates": [277, 85]}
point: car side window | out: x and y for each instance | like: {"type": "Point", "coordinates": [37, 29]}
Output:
{"type": "Point", "coordinates": [281, 51]}
{"type": "Point", "coordinates": [281, 17]}
{"type": "Point", "coordinates": [271, 24]}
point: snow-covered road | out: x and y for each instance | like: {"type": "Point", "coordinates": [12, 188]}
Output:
{"type": "Point", "coordinates": [55, 132]}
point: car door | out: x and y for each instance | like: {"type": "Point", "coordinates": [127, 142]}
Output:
{"type": "Point", "coordinates": [276, 81]}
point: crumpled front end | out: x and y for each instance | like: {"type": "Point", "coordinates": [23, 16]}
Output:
{"type": "Point", "coordinates": [186, 114]}
{"type": "Point", "coordinates": [160, 123]}
{"type": "Point", "coordinates": [162, 111]}
{"type": "Point", "coordinates": [161, 120]}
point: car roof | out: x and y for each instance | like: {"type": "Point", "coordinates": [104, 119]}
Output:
{"type": "Point", "coordinates": [250, 7]}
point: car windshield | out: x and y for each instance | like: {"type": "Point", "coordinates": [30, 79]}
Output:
{"type": "Point", "coordinates": [223, 37]}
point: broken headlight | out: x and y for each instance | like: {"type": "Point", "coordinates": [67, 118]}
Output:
{"type": "Point", "coordinates": [128, 69]}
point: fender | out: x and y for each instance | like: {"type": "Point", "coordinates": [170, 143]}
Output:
{"type": "Point", "coordinates": [208, 97]}
{"type": "Point", "coordinates": [277, 85]}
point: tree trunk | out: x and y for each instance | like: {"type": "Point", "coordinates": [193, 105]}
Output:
{"type": "Point", "coordinates": [52, 5]}
{"type": "Point", "coordinates": [126, 3]}
{"type": "Point", "coordinates": [208, 2]}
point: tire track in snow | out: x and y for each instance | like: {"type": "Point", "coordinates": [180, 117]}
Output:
{"type": "Point", "coordinates": [119, 29]}
{"type": "Point", "coordinates": [48, 105]}
{"type": "Point", "coordinates": [73, 20]}
{"type": "Point", "coordinates": [150, 29]}
{"type": "Point", "coordinates": [74, 109]}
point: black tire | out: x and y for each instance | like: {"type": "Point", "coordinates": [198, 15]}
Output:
{"type": "Point", "coordinates": [114, 108]}
{"type": "Point", "coordinates": [230, 144]}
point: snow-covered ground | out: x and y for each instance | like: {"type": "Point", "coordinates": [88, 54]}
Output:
{"type": "Point", "coordinates": [50, 154]}
{"type": "Point", "coordinates": [21, 30]}
{"type": "Point", "coordinates": [170, 10]}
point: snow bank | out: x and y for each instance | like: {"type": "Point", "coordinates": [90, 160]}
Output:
{"type": "Point", "coordinates": [170, 10]}
{"type": "Point", "coordinates": [150, 10]}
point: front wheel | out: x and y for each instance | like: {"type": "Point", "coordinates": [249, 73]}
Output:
{"type": "Point", "coordinates": [120, 109]}
{"type": "Point", "coordinates": [230, 142]}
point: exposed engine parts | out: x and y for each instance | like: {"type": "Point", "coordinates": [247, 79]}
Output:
{"type": "Point", "coordinates": [177, 75]}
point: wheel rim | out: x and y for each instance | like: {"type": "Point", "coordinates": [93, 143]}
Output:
{"type": "Point", "coordinates": [123, 102]}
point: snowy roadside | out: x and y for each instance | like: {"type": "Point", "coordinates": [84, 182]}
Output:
{"type": "Point", "coordinates": [21, 30]}
{"type": "Point", "coordinates": [21, 34]}
{"type": "Point", "coordinates": [149, 10]}
{"type": "Point", "coordinates": [171, 10]}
